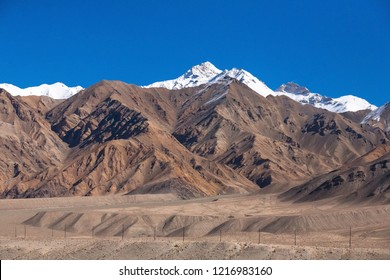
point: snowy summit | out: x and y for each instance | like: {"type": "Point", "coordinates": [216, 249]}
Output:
{"type": "Point", "coordinates": [207, 73]}
{"type": "Point", "coordinates": [55, 91]}
{"type": "Point", "coordinates": [339, 105]}
{"type": "Point", "coordinates": [196, 76]}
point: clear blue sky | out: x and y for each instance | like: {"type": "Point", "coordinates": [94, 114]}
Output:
{"type": "Point", "coordinates": [333, 47]}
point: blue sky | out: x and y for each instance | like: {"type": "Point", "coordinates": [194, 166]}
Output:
{"type": "Point", "coordinates": [333, 47]}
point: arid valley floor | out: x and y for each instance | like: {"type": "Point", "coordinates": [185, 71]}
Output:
{"type": "Point", "coordinates": [164, 227]}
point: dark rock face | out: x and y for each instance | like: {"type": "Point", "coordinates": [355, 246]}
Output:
{"type": "Point", "coordinates": [365, 178]}
{"type": "Point", "coordinates": [108, 122]}
{"type": "Point", "coordinates": [321, 125]}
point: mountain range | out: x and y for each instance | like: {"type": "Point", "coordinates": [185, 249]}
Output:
{"type": "Point", "coordinates": [209, 132]}
{"type": "Point", "coordinates": [207, 73]}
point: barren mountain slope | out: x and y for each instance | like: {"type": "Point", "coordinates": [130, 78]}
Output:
{"type": "Point", "coordinates": [41, 104]}
{"type": "Point", "coordinates": [212, 139]}
{"type": "Point", "coordinates": [357, 116]}
{"type": "Point", "coordinates": [121, 142]}
{"type": "Point", "coordinates": [28, 146]}
{"type": "Point", "coordinates": [366, 178]}
{"type": "Point", "coordinates": [268, 140]}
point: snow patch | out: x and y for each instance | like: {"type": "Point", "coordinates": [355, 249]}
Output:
{"type": "Point", "coordinates": [376, 114]}
{"type": "Point", "coordinates": [216, 98]}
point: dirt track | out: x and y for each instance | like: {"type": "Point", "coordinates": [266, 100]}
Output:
{"type": "Point", "coordinates": [130, 249]}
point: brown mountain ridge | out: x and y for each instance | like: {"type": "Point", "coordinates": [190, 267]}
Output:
{"type": "Point", "coordinates": [116, 138]}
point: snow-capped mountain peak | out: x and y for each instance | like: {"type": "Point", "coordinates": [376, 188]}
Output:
{"type": "Point", "coordinates": [55, 91]}
{"type": "Point", "coordinates": [339, 105]}
{"type": "Point", "coordinates": [353, 103]}
{"type": "Point", "coordinates": [246, 78]}
{"type": "Point", "coordinates": [203, 70]}
{"type": "Point", "coordinates": [196, 76]}
{"type": "Point", "coordinates": [293, 88]}
{"type": "Point", "coordinates": [207, 73]}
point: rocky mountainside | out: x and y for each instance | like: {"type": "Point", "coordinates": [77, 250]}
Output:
{"type": "Point", "coordinates": [367, 177]}
{"type": "Point", "coordinates": [29, 147]}
{"type": "Point", "coordinates": [216, 138]}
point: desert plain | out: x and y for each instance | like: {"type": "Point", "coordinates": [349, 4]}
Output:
{"type": "Point", "coordinates": [161, 226]}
